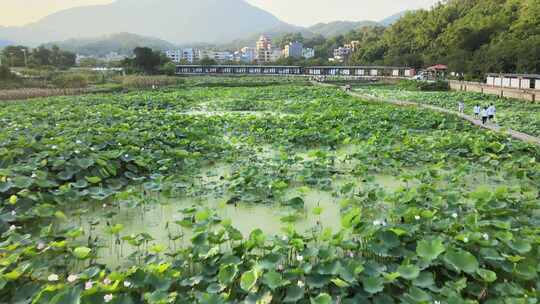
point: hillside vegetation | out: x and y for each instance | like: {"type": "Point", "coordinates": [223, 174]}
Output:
{"type": "Point", "coordinates": [473, 36]}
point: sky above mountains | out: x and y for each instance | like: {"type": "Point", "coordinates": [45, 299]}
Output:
{"type": "Point", "coordinates": [298, 12]}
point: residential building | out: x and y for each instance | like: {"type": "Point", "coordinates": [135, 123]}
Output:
{"type": "Point", "coordinates": [293, 50]}
{"type": "Point", "coordinates": [353, 45]}
{"type": "Point", "coordinates": [114, 56]}
{"type": "Point", "coordinates": [308, 53]}
{"type": "Point", "coordinates": [190, 55]}
{"type": "Point", "coordinates": [275, 54]}
{"type": "Point", "coordinates": [219, 56]}
{"type": "Point", "coordinates": [174, 55]}
{"type": "Point", "coordinates": [245, 54]}
{"type": "Point", "coordinates": [341, 54]}
{"type": "Point", "coordinates": [264, 49]}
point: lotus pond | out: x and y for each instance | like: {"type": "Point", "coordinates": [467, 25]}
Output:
{"type": "Point", "coordinates": [263, 193]}
{"type": "Point", "coordinates": [515, 114]}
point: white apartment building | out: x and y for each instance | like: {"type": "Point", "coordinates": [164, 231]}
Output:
{"type": "Point", "coordinates": [264, 49]}
{"type": "Point", "coordinates": [220, 56]}
{"type": "Point", "coordinates": [190, 55]}
{"type": "Point", "coordinates": [174, 55]}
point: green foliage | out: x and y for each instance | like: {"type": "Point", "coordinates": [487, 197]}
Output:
{"type": "Point", "coordinates": [145, 82]}
{"type": "Point", "coordinates": [414, 85]}
{"type": "Point", "coordinates": [472, 37]}
{"type": "Point", "coordinates": [70, 81]}
{"type": "Point", "coordinates": [437, 237]}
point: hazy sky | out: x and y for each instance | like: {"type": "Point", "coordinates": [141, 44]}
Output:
{"type": "Point", "coordinates": [299, 12]}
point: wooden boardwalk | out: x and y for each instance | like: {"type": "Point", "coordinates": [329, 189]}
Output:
{"type": "Point", "coordinates": [490, 126]}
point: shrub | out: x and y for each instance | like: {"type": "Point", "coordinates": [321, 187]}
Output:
{"type": "Point", "coordinates": [5, 73]}
{"type": "Point", "coordinates": [141, 82]}
{"type": "Point", "coordinates": [70, 81]}
{"type": "Point", "coordinates": [416, 85]}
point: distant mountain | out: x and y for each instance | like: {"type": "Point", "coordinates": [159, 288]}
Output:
{"type": "Point", "coordinates": [122, 43]}
{"type": "Point", "coordinates": [4, 43]}
{"type": "Point", "coordinates": [393, 19]}
{"type": "Point", "coordinates": [178, 21]}
{"type": "Point", "coordinates": [325, 29]}
{"type": "Point", "coordinates": [339, 27]}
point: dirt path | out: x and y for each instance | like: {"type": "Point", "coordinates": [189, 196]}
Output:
{"type": "Point", "coordinates": [493, 127]}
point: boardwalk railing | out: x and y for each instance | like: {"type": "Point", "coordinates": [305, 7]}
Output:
{"type": "Point", "coordinates": [345, 71]}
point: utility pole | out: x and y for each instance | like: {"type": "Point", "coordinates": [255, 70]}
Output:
{"type": "Point", "coordinates": [25, 59]}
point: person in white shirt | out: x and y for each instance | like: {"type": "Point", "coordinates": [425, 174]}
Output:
{"type": "Point", "coordinates": [484, 114]}
{"type": "Point", "coordinates": [461, 107]}
{"type": "Point", "coordinates": [491, 112]}
{"type": "Point", "coordinates": [477, 111]}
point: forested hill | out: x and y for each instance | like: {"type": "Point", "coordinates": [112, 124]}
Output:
{"type": "Point", "coordinates": [471, 36]}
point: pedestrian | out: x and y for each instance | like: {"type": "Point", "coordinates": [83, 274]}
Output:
{"type": "Point", "coordinates": [477, 111]}
{"type": "Point", "coordinates": [491, 112]}
{"type": "Point", "coordinates": [461, 107]}
{"type": "Point", "coordinates": [484, 114]}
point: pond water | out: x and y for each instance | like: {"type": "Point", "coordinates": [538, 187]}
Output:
{"type": "Point", "coordinates": [158, 220]}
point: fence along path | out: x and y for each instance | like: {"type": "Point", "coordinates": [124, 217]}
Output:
{"type": "Point", "coordinates": [493, 127]}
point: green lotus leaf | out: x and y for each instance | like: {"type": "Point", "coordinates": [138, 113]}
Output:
{"type": "Point", "coordinates": [409, 272]}
{"type": "Point", "coordinates": [274, 280]}
{"type": "Point", "coordinates": [82, 253]}
{"type": "Point", "coordinates": [93, 179]}
{"type": "Point", "coordinates": [294, 294]}
{"type": "Point", "coordinates": [487, 275]}
{"type": "Point", "coordinates": [462, 260]}
{"type": "Point", "coordinates": [227, 273]}
{"type": "Point", "coordinates": [249, 280]}
{"type": "Point", "coordinates": [322, 298]}
{"type": "Point", "coordinates": [373, 285]}
{"type": "Point", "coordinates": [22, 182]}
{"type": "Point", "coordinates": [430, 250]}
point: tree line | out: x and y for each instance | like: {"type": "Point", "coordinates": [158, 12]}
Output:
{"type": "Point", "coordinates": [473, 37]}
{"type": "Point", "coordinates": [22, 56]}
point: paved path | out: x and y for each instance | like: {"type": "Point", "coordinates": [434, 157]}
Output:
{"type": "Point", "coordinates": [493, 127]}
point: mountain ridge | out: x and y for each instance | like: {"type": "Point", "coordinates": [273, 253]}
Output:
{"type": "Point", "coordinates": [171, 20]}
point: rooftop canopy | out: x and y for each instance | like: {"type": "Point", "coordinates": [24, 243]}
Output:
{"type": "Point", "coordinates": [438, 67]}
{"type": "Point", "coordinates": [528, 76]}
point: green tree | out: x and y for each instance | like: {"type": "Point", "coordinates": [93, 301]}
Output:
{"type": "Point", "coordinates": [147, 60]}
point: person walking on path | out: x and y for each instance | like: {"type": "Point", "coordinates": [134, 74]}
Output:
{"type": "Point", "coordinates": [491, 112]}
{"type": "Point", "coordinates": [461, 107]}
{"type": "Point", "coordinates": [484, 114]}
{"type": "Point", "coordinates": [477, 111]}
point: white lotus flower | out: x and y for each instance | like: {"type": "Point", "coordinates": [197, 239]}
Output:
{"type": "Point", "coordinates": [72, 278]}
{"type": "Point", "coordinates": [40, 246]}
{"type": "Point", "coordinates": [417, 217]}
{"type": "Point", "coordinates": [77, 151]}
{"type": "Point", "coordinates": [299, 258]}
{"type": "Point", "coordinates": [455, 215]}
{"type": "Point", "coordinates": [53, 278]}
{"type": "Point", "coordinates": [34, 175]}
{"type": "Point", "coordinates": [465, 240]}
{"type": "Point", "coordinates": [108, 298]}
{"type": "Point", "coordinates": [104, 205]}
{"type": "Point", "coordinates": [88, 285]}
{"type": "Point", "coordinates": [301, 284]}
{"type": "Point", "coordinates": [78, 142]}
{"type": "Point", "coordinates": [127, 284]}
{"type": "Point", "coordinates": [376, 223]}
{"type": "Point", "coordinates": [54, 147]}
{"type": "Point", "coordinates": [12, 228]}
{"type": "Point", "coordinates": [486, 236]}
{"type": "Point", "coordinates": [13, 213]}
{"type": "Point", "coordinates": [107, 281]}
{"type": "Point", "coordinates": [284, 238]}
